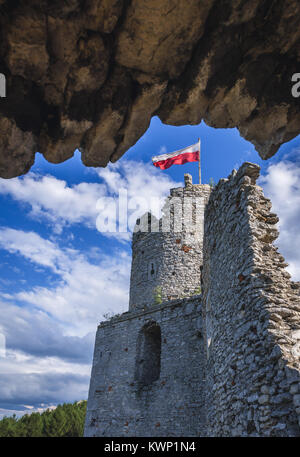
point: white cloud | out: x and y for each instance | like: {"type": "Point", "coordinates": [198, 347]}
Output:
{"type": "Point", "coordinates": [34, 332]}
{"type": "Point", "coordinates": [40, 364]}
{"type": "Point", "coordinates": [49, 331]}
{"type": "Point", "coordinates": [146, 188]}
{"type": "Point", "coordinates": [52, 200]}
{"type": "Point", "coordinates": [138, 178]}
{"type": "Point", "coordinates": [17, 389]}
{"type": "Point", "coordinates": [281, 184]}
{"type": "Point", "coordinates": [31, 246]}
{"type": "Point", "coordinates": [85, 291]}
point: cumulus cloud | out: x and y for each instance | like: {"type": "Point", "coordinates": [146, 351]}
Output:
{"type": "Point", "coordinates": [40, 366]}
{"type": "Point", "coordinates": [49, 331]}
{"type": "Point", "coordinates": [141, 186]}
{"type": "Point", "coordinates": [27, 389]}
{"type": "Point", "coordinates": [35, 332]}
{"type": "Point", "coordinates": [52, 198]}
{"type": "Point", "coordinates": [31, 246]}
{"type": "Point", "coordinates": [85, 292]}
{"type": "Point", "coordinates": [281, 183]}
{"type": "Point", "coordinates": [138, 178]}
{"type": "Point", "coordinates": [59, 204]}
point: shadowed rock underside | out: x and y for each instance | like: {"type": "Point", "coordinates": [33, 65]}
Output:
{"type": "Point", "coordinates": [90, 74]}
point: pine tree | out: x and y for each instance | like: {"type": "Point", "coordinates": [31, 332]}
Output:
{"type": "Point", "coordinates": [64, 420]}
{"type": "Point", "coordinates": [35, 425]}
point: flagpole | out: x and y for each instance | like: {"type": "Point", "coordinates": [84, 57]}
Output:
{"type": "Point", "coordinates": [199, 161]}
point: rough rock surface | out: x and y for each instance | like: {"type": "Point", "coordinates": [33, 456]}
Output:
{"type": "Point", "coordinates": [90, 74]}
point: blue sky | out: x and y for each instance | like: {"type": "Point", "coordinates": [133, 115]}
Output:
{"type": "Point", "coordinates": [59, 276]}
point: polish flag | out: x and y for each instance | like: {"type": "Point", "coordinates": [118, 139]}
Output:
{"type": "Point", "coordinates": [189, 154]}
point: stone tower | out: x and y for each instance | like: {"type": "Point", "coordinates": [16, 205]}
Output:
{"type": "Point", "coordinates": [148, 369]}
{"type": "Point", "coordinates": [167, 254]}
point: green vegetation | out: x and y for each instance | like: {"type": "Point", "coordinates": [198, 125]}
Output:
{"type": "Point", "coordinates": [157, 295]}
{"type": "Point", "coordinates": [65, 420]}
{"type": "Point", "coordinates": [197, 291]}
{"type": "Point", "coordinates": [212, 182]}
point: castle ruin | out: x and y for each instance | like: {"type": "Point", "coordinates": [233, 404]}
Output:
{"type": "Point", "coordinates": [210, 345]}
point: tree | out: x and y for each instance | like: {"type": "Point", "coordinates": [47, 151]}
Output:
{"type": "Point", "coordinates": [64, 420]}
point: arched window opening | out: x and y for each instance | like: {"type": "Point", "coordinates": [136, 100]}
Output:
{"type": "Point", "coordinates": [148, 354]}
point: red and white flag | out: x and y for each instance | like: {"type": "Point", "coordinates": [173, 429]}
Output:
{"type": "Point", "coordinates": [189, 154]}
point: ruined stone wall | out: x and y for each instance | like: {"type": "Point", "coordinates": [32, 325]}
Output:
{"type": "Point", "coordinates": [166, 264]}
{"type": "Point", "coordinates": [251, 313]}
{"type": "Point", "coordinates": [120, 404]}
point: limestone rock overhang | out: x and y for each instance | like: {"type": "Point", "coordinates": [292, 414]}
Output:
{"type": "Point", "coordinates": [91, 74]}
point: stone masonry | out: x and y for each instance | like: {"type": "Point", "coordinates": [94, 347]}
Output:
{"type": "Point", "coordinates": [221, 363]}
{"type": "Point", "coordinates": [122, 404]}
{"type": "Point", "coordinates": [167, 262]}
{"type": "Point", "coordinates": [252, 316]}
